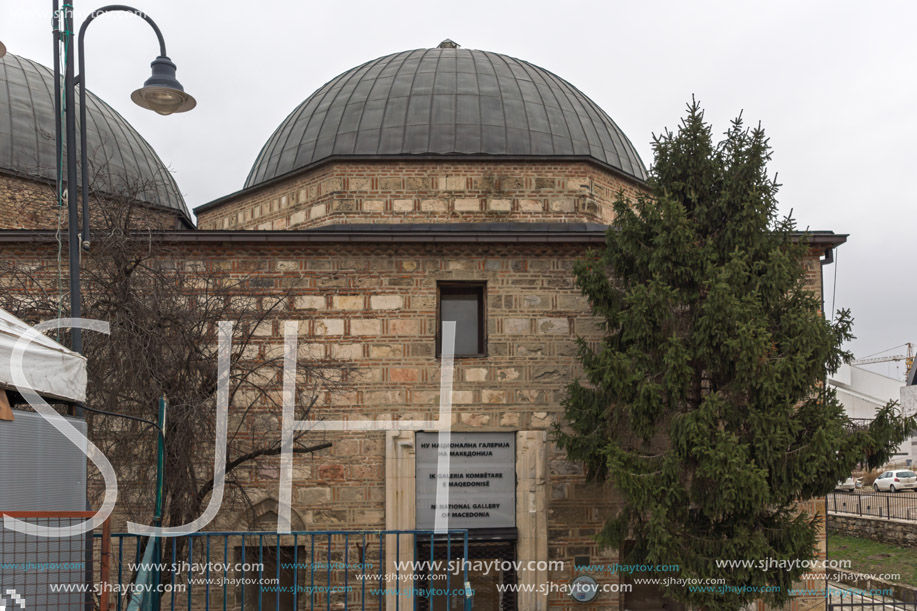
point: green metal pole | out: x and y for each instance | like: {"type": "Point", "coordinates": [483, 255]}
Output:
{"type": "Point", "coordinates": [160, 458]}
{"type": "Point", "coordinates": [157, 514]}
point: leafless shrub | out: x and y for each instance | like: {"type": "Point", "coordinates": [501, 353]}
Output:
{"type": "Point", "coordinates": [164, 311]}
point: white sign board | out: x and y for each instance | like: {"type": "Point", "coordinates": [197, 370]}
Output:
{"type": "Point", "coordinates": [481, 480]}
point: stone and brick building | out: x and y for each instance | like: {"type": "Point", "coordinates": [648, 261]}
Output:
{"type": "Point", "coordinates": [419, 186]}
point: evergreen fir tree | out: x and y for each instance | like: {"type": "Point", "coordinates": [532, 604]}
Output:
{"type": "Point", "coordinates": [705, 405]}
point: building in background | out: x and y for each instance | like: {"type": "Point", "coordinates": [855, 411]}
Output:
{"type": "Point", "coordinates": [908, 400]}
{"type": "Point", "coordinates": [863, 392]}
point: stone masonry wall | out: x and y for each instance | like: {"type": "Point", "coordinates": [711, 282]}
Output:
{"type": "Point", "coordinates": [32, 204]}
{"type": "Point", "coordinates": [894, 532]}
{"type": "Point", "coordinates": [426, 192]}
{"type": "Point", "coordinates": [373, 306]}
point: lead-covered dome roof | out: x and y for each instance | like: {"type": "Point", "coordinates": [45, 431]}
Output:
{"type": "Point", "coordinates": [445, 101]}
{"type": "Point", "coordinates": [117, 153]}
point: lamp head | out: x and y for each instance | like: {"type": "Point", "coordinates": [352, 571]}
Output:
{"type": "Point", "coordinates": [2, 49]}
{"type": "Point", "coordinates": [162, 92]}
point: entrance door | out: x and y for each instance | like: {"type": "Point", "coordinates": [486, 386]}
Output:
{"type": "Point", "coordinates": [491, 566]}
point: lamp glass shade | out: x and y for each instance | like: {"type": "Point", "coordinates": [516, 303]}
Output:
{"type": "Point", "coordinates": [162, 92]}
{"type": "Point", "coordinates": [163, 100]}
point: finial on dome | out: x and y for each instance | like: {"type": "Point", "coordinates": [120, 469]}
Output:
{"type": "Point", "coordinates": [448, 44]}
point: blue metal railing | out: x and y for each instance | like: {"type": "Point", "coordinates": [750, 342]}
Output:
{"type": "Point", "coordinates": [317, 570]}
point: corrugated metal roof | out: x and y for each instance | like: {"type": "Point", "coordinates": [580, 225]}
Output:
{"type": "Point", "coordinates": [445, 101]}
{"type": "Point", "coordinates": [117, 153]}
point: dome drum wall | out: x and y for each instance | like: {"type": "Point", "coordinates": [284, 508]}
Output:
{"type": "Point", "coordinates": [425, 191]}
{"type": "Point", "coordinates": [27, 204]}
{"type": "Point", "coordinates": [31, 203]}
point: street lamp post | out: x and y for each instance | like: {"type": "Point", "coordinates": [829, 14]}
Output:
{"type": "Point", "coordinates": [161, 93]}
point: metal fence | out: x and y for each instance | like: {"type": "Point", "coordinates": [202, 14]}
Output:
{"type": "Point", "coordinates": [854, 601]}
{"type": "Point", "coordinates": [46, 573]}
{"type": "Point", "coordinates": [901, 506]}
{"type": "Point", "coordinates": [300, 571]}
{"type": "Point", "coordinates": [321, 570]}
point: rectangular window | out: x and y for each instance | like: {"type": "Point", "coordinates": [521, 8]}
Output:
{"type": "Point", "coordinates": [463, 303]}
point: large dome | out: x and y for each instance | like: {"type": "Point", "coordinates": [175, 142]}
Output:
{"type": "Point", "coordinates": [445, 101]}
{"type": "Point", "coordinates": [117, 153]}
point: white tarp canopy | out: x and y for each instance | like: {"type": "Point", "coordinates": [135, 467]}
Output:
{"type": "Point", "coordinates": [52, 370]}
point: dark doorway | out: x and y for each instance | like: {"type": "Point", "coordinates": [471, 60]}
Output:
{"type": "Point", "coordinates": [273, 558]}
{"type": "Point", "coordinates": [484, 581]}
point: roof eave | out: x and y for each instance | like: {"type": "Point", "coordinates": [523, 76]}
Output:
{"type": "Point", "coordinates": [407, 232]}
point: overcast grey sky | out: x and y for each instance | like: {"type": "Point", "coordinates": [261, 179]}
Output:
{"type": "Point", "coordinates": [832, 82]}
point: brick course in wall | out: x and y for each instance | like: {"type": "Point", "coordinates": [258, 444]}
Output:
{"type": "Point", "coordinates": [425, 192]}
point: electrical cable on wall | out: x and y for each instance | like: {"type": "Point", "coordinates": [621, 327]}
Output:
{"type": "Point", "coordinates": [60, 169]}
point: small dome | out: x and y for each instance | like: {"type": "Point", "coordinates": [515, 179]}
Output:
{"type": "Point", "coordinates": [445, 101]}
{"type": "Point", "coordinates": [116, 151]}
